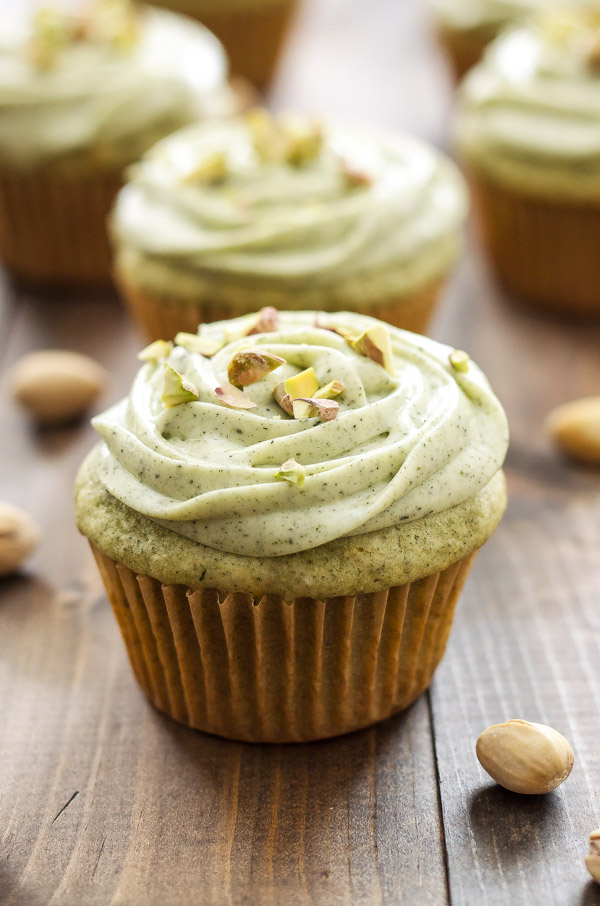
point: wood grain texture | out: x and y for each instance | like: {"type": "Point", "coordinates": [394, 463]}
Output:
{"type": "Point", "coordinates": [526, 641]}
{"type": "Point", "coordinates": [104, 802]}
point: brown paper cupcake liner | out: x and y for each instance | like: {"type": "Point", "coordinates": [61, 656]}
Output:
{"type": "Point", "coordinates": [160, 316]}
{"type": "Point", "coordinates": [546, 252]}
{"type": "Point", "coordinates": [252, 37]}
{"type": "Point", "coordinates": [53, 227]}
{"type": "Point", "coordinates": [262, 669]}
{"type": "Point", "coordinates": [463, 49]}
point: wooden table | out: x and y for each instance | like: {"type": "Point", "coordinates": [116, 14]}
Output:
{"type": "Point", "coordinates": [104, 801]}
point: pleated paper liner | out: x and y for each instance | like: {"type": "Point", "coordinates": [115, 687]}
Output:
{"type": "Point", "coordinates": [252, 36]}
{"type": "Point", "coordinates": [53, 227]}
{"type": "Point", "coordinates": [546, 252]}
{"type": "Point", "coordinates": [267, 670]}
{"type": "Point", "coordinates": [160, 316]}
{"type": "Point", "coordinates": [463, 49]}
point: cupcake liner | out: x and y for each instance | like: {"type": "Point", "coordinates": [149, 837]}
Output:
{"type": "Point", "coordinates": [262, 669]}
{"type": "Point", "coordinates": [160, 316]}
{"type": "Point", "coordinates": [545, 251]}
{"type": "Point", "coordinates": [252, 36]}
{"type": "Point", "coordinates": [463, 49]}
{"type": "Point", "coordinates": [53, 227]}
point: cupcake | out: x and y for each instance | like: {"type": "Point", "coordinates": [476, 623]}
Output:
{"type": "Point", "coordinates": [529, 133]}
{"type": "Point", "coordinates": [466, 27]}
{"type": "Point", "coordinates": [81, 98]}
{"type": "Point", "coordinates": [252, 31]}
{"type": "Point", "coordinates": [222, 219]}
{"type": "Point", "coordinates": [284, 512]}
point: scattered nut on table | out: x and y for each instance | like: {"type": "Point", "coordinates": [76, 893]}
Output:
{"type": "Point", "coordinates": [56, 385]}
{"type": "Point", "coordinates": [575, 427]}
{"type": "Point", "coordinates": [592, 862]}
{"type": "Point", "coordinates": [18, 536]}
{"type": "Point", "coordinates": [525, 757]}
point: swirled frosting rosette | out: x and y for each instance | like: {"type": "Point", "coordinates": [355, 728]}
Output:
{"type": "Point", "coordinates": [529, 114]}
{"type": "Point", "coordinates": [485, 14]}
{"type": "Point", "coordinates": [274, 434]}
{"type": "Point", "coordinates": [466, 27]}
{"type": "Point", "coordinates": [293, 208]}
{"type": "Point", "coordinates": [115, 79]}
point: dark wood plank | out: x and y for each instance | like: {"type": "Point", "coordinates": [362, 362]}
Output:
{"type": "Point", "coordinates": [527, 637]}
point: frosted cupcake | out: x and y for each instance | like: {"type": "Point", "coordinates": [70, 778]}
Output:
{"type": "Point", "coordinates": [529, 132]}
{"type": "Point", "coordinates": [252, 31]}
{"type": "Point", "coordinates": [284, 512]}
{"type": "Point", "coordinates": [466, 27]}
{"type": "Point", "coordinates": [81, 98]}
{"type": "Point", "coordinates": [220, 220]}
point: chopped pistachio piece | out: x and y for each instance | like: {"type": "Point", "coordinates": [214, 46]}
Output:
{"type": "Point", "coordinates": [211, 169]}
{"type": "Point", "coordinates": [203, 345]}
{"type": "Point", "coordinates": [289, 139]}
{"type": "Point", "coordinates": [293, 472]}
{"type": "Point", "coordinates": [268, 141]}
{"type": "Point", "coordinates": [283, 398]}
{"type": "Point", "coordinates": [333, 388]}
{"type": "Point", "coordinates": [593, 53]}
{"type": "Point", "coordinates": [233, 397]}
{"type": "Point", "coordinates": [305, 139]}
{"type": "Point", "coordinates": [114, 22]}
{"type": "Point", "coordinates": [50, 34]}
{"type": "Point", "coordinates": [249, 366]}
{"type": "Point", "coordinates": [177, 389]}
{"type": "Point", "coordinates": [459, 360]}
{"type": "Point", "coordinates": [268, 321]}
{"type": "Point", "coordinates": [374, 343]}
{"type": "Point", "coordinates": [327, 410]}
{"type": "Point", "coordinates": [343, 332]}
{"type": "Point", "coordinates": [353, 176]}
{"type": "Point", "coordinates": [303, 384]}
{"type": "Point", "coordinates": [160, 349]}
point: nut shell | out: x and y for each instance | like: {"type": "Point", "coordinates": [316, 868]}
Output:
{"type": "Point", "coordinates": [56, 385]}
{"type": "Point", "coordinates": [19, 535]}
{"type": "Point", "coordinates": [592, 862]}
{"type": "Point", "coordinates": [525, 757]}
{"type": "Point", "coordinates": [575, 427]}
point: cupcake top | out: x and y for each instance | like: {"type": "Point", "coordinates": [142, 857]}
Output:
{"type": "Point", "coordinates": [294, 203]}
{"type": "Point", "coordinates": [486, 15]}
{"type": "Point", "coordinates": [529, 113]}
{"type": "Point", "coordinates": [221, 7]}
{"type": "Point", "coordinates": [277, 433]}
{"type": "Point", "coordinates": [113, 80]}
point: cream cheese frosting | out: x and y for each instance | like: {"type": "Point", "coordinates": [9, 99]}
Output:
{"type": "Point", "coordinates": [297, 228]}
{"type": "Point", "coordinates": [113, 100]}
{"type": "Point", "coordinates": [478, 15]}
{"type": "Point", "coordinates": [529, 113]}
{"type": "Point", "coordinates": [403, 445]}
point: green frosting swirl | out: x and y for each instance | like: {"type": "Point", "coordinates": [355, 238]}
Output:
{"type": "Point", "coordinates": [101, 99]}
{"type": "Point", "coordinates": [529, 113]}
{"type": "Point", "coordinates": [297, 228]}
{"type": "Point", "coordinates": [476, 15]}
{"type": "Point", "coordinates": [402, 447]}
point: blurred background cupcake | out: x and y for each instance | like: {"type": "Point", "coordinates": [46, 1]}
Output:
{"type": "Point", "coordinates": [252, 31]}
{"type": "Point", "coordinates": [81, 97]}
{"type": "Point", "coordinates": [226, 218]}
{"type": "Point", "coordinates": [529, 132]}
{"type": "Point", "coordinates": [466, 27]}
